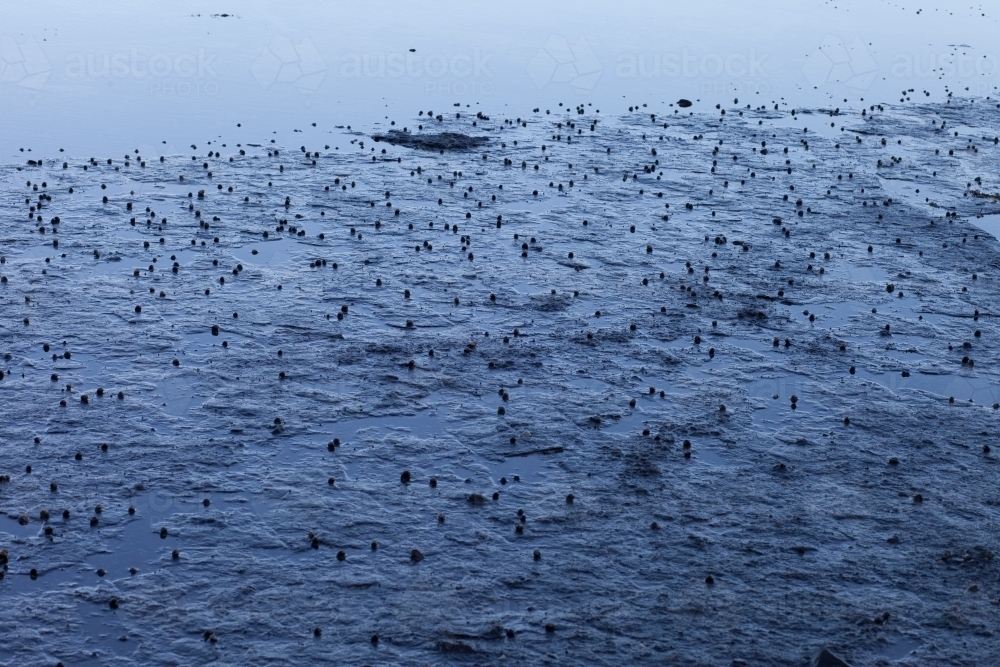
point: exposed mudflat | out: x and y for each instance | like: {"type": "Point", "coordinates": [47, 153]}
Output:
{"type": "Point", "coordinates": [572, 354]}
{"type": "Point", "coordinates": [434, 142]}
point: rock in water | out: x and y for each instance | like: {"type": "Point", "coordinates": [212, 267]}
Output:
{"type": "Point", "coordinates": [431, 142]}
{"type": "Point", "coordinates": [825, 658]}
{"type": "Point", "coordinates": [684, 104]}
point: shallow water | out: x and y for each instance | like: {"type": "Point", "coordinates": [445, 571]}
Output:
{"type": "Point", "coordinates": [789, 510]}
{"type": "Point", "coordinates": [989, 224]}
{"type": "Point", "coordinates": [106, 80]}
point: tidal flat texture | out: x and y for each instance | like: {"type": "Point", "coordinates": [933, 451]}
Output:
{"type": "Point", "coordinates": [684, 388]}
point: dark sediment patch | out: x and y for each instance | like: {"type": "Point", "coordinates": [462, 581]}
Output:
{"type": "Point", "coordinates": [450, 141]}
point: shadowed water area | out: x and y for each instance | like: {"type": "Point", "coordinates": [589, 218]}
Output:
{"type": "Point", "coordinates": [680, 387]}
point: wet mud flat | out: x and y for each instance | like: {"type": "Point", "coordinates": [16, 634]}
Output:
{"type": "Point", "coordinates": [702, 387]}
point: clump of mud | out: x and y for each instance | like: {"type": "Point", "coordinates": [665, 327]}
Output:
{"type": "Point", "coordinates": [442, 141]}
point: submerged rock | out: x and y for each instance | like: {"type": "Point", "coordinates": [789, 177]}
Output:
{"type": "Point", "coordinates": [826, 658]}
{"type": "Point", "coordinates": [453, 141]}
